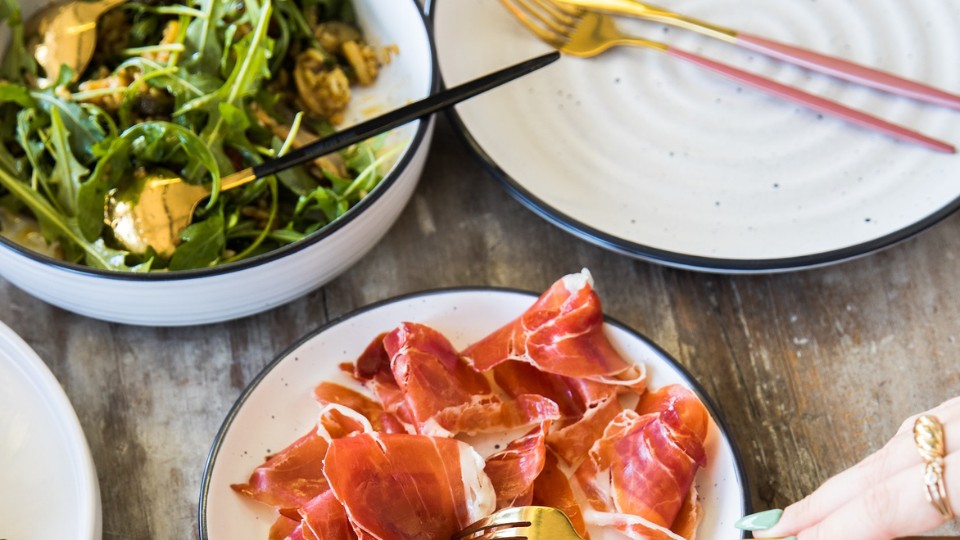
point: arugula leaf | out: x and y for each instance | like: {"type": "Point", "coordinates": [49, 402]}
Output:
{"type": "Point", "coordinates": [14, 93]}
{"type": "Point", "coordinates": [11, 164]}
{"type": "Point", "coordinates": [98, 253]}
{"type": "Point", "coordinates": [111, 170]}
{"type": "Point", "coordinates": [298, 25]}
{"type": "Point", "coordinates": [83, 126]}
{"type": "Point", "coordinates": [13, 100]}
{"type": "Point", "coordinates": [203, 243]}
{"type": "Point", "coordinates": [17, 60]}
{"type": "Point", "coordinates": [165, 143]}
{"type": "Point", "coordinates": [28, 136]}
{"type": "Point", "coordinates": [335, 9]}
{"type": "Point", "coordinates": [203, 51]}
{"type": "Point", "coordinates": [68, 173]}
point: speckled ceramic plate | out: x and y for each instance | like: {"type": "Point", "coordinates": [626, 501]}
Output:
{"type": "Point", "coordinates": [48, 485]}
{"type": "Point", "coordinates": [654, 158]}
{"type": "Point", "coordinates": [278, 407]}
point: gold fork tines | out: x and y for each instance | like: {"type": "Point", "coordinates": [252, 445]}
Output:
{"type": "Point", "coordinates": [521, 523]}
{"type": "Point", "coordinates": [545, 20]}
{"type": "Point", "coordinates": [572, 30]}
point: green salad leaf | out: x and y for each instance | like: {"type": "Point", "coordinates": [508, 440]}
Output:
{"type": "Point", "coordinates": [18, 61]}
{"type": "Point", "coordinates": [68, 173]}
{"type": "Point", "coordinates": [202, 245]}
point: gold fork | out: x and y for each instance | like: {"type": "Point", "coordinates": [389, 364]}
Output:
{"type": "Point", "coordinates": [586, 33]}
{"type": "Point", "coordinates": [521, 523]}
{"type": "Point", "coordinates": [812, 60]}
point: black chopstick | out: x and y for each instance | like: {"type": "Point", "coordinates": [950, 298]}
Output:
{"type": "Point", "coordinates": [398, 117]}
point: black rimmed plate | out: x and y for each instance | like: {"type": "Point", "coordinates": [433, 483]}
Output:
{"type": "Point", "coordinates": [648, 156]}
{"type": "Point", "coordinates": [278, 407]}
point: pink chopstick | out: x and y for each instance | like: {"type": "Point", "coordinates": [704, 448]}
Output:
{"type": "Point", "coordinates": [846, 70]}
{"type": "Point", "coordinates": [815, 102]}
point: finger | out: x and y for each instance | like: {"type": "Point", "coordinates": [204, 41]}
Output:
{"type": "Point", "coordinates": [947, 411]}
{"type": "Point", "coordinates": [896, 456]}
{"type": "Point", "coordinates": [896, 507]}
{"type": "Point", "coordinates": [891, 508]}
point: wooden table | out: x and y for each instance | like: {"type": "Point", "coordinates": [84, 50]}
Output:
{"type": "Point", "coordinates": [811, 370]}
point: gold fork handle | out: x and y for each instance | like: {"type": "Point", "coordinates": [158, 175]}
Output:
{"type": "Point", "coordinates": [657, 14]}
{"type": "Point", "coordinates": [812, 60]}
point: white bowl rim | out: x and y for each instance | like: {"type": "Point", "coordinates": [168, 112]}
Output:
{"type": "Point", "coordinates": [687, 377]}
{"type": "Point", "coordinates": [177, 275]}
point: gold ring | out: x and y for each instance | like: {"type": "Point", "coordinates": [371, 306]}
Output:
{"type": "Point", "coordinates": [928, 434]}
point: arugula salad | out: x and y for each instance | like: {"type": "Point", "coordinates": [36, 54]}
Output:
{"type": "Point", "coordinates": [201, 88]}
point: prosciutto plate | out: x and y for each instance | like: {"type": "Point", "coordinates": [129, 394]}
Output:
{"type": "Point", "coordinates": [280, 407]}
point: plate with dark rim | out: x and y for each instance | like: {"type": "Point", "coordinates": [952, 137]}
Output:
{"type": "Point", "coordinates": [277, 407]}
{"type": "Point", "coordinates": [648, 156]}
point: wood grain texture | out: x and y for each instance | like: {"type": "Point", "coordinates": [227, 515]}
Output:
{"type": "Point", "coordinates": [811, 370]}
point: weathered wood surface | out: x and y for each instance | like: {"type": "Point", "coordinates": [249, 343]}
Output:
{"type": "Point", "coordinates": [811, 370]}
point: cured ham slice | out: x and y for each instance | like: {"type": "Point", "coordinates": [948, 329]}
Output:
{"type": "Point", "coordinates": [552, 488]}
{"type": "Point", "coordinates": [680, 400]}
{"type": "Point", "coordinates": [399, 487]}
{"type": "Point", "coordinates": [586, 406]}
{"type": "Point", "coordinates": [292, 477]}
{"type": "Point", "coordinates": [573, 440]}
{"type": "Point", "coordinates": [650, 474]}
{"type": "Point", "coordinates": [323, 518]}
{"type": "Point", "coordinates": [373, 369]}
{"type": "Point", "coordinates": [561, 333]}
{"type": "Point", "coordinates": [633, 527]}
{"type": "Point", "coordinates": [691, 513]}
{"type": "Point", "coordinates": [514, 469]}
{"type": "Point", "coordinates": [331, 393]}
{"type": "Point", "coordinates": [283, 527]}
{"type": "Point", "coordinates": [429, 386]}
{"type": "Point", "coordinates": [644, 465]}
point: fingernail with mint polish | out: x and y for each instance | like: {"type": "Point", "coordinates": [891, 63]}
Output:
{"type": "Point", "coordinates": [760, 521]}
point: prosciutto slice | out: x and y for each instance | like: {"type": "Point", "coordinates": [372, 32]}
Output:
{"type": "Point", "coordinates": [327, 393]}
{"type": "Point", "coordinates": [552, 488]}
{"type": "Point", "coordinates": [323, 518]}
{"type": "Point", "coordinates": [408, 487]}
{"type": "Point", "coordinates": [561, 333]}
{"type": "Point", "coordinates": [586, 407]}
{"type": "Point", "coordinates": [514, 469]}
{"type": "Point", "coordinates": [644, 466]}
{"type": "Point", "coordinates": [429, 386]}
{"type": "Point", "coordinates": [292, 477]}
{"type": "Point", "coordinates": [679, 400]}
{"type": "Point", "coordinates": [632, 527]}
{"type": "Point", "coordinates": [283, 527]}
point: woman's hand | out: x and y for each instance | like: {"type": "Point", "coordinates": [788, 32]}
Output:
{"type": "Point", "coordinates": [882, 497]}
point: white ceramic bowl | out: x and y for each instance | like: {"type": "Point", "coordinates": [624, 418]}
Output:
{"type": "Point", "coordinates": [257, 284]}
